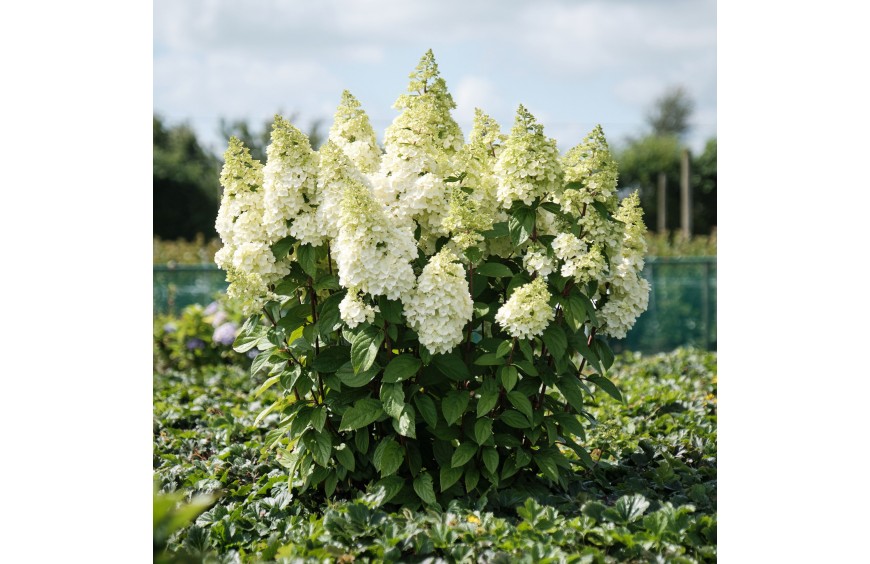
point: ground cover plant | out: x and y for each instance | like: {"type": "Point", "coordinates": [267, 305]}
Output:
{"type": "Point", "coordinates": [434, 317]}
{"type": "Point", "coordinates": [650, 495]}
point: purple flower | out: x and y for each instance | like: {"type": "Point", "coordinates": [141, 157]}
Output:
{"type": "Point", "coordinates": [211, 308]}
{"type": "Point", "coordinates": [195, 343]}
{"type": "Point", "coordinates": [253, 353]}
{"type": "Point", "coordinates": [225, 334]}
{"type": "Point", "coordinates": [218, 318]}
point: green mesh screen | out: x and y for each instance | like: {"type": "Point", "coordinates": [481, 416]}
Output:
{"type": "Point", "coordinates": [681, 312]}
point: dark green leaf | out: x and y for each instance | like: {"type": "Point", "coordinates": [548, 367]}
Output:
{"type": "Point", "coordinates": [327, 282]}
{"type": "Point", "coordinates": [249, 335]}
{"type": "Point", "coordinates": [401, 368]}
{"type": "Point", "coordinates": [463, 454]}
{"type": "Point", "coordinates": [427, 409]}
{"type": "Point", "coordinates": [521, 402]}
{"type": "Point", "coordinates": [515, 419]}
{"type": "Point", "coordinates": [472, 476]}
{"type": "Point", "coordinates": [552, 207]}
{"type": "Point", "coordinates": [606, 385]}
{"type": "Point", "coordinates": [320, 446]}
{"type": "Point", "coordinates": [482, 430]}
{"type": "Point", "coordinates": [555, 339]}
{"type": "Point", "coordinates": [575, 311]}
{"type": "Point", "coordinates": [486, 402]}
{"type": "Point", "coordinates": [451, 366]}
{"type": "Point", "coordinates": [389, 487]}
{"type": "Point", "coordinates": [393, 398]}
{"type": "Point", "coordinates": [521, 225]}
{"type": "Point", "coordinates": [499, 229]}
{"type": "Point", "coordinates": [488, 359]}
{"type": "Point", "coordinates": [306, 255]}
{"type": "Point", "coordinates": [363, 413]}
{"type": "Point", "coordinates": [318, 418]}
{"type": "Point", "coordinates": [352, 380]}
{"type": "Point", "coordinates": [406, 423]}
{"type": "Point", "coordinates": [570, 388]}
{"type": "Point", "coordinates": [602, 349]}
{"type": "Point", "coordinates": [365, 348]}
{"type": "Point", "coordinates": [391, 310]}
{"type": "Point", "coordinates": [489, 456]}
{"type": "Point", "coordinates": [449, 476]}
{"type": "Point", "coordinates": [331, 359]}
{"type": "Point", "coordinates": [330, 316]}
{"type": "Point", "coordinates": [281, 248]}
{"type": "Point", "coordinates": [388, 456]}
{"type": "Point", "coordinates": [453, 405]}
{"type": "Point", "coordinates": [423, 487]}
{"type": "Point", "coordinates": [494, 270]}
{"type": "Point", "coordinates": [345, 457]}
{"type": "Point", "coordinates": [508, 376]}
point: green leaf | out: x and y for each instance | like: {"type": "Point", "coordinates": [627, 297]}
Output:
{"type": "Point", "coordinates": [361, 440]}
{"type": "Point", "coordinates": [401, 368]}
{"type": "Point", "coordinates": [463, 454]}
{"type": "Point", "coordinates": [250, 334]}
{"type": "Point", "coordinates": [330, 316]}
{"type": "Point", "coordinates": [320, 446]}
{"type": "Point", "coordinates": [545, 462]}
{"type": "Point", "coordinates": [330, 483]}
{"type": "Point", "coordinates": [363, 413]}
{"type": "Point", "coordinates": [602, 349]}
{"type": "Point", "coordinates": [352, 380]}
{"type": "Point", "coordinates": [365, 348]}
{"type": "Point", "coordinates": [391, 310]}
{"type": "Point", "coordinates": [555, 339]}
{"type": "Point", "coordinates": [521, 225]}
{"type": "Point", "coordinates": [295, 317]}
{"type": "Point", "coordinates": [489, 455]}
{"type": "Point", "coordinates": [578, 342]}
{"type": "Point", "coordinates": [570, 388]}
{"type": "Point", "coordinates": [628, 509]}
{"type": "Point", "coordinates": [482, 430]}
{"type": "Point", "coordinates": [266, 385]}
{"type": "Point", "coordinates": [306, 255]}
{"type": "Point", "coordinates": [427, 409]}
{"type": "Point", "coordinates": [488, 359]}
{"type": "Point", "coordinates": [486, 402]}
{"type": "Point", "coordinates": [472, 476]}
{"type": "Point", "coordinates": [569, 424]}
{"type": "Point", "coordinates": [393, 398]}
{"type": "Point", "coordinates": [331, 359]}
{"type": "Point", "coordinates": [327, 282]}
{"type": "Point", "coordinates": [389, 487]}
{"type": "Point", "coordinates": [449, 476]}
{"type": "Point", "coordinates": [453, 405]}
{"type": "Point", "coordinates": [281, 248]}
{"type": "Point", "coordinates": [499, 229]}
{"type": "Point", "coordinates": [508, 376]}
{"type": "Point", "coordinates": [552, 207]}
{"type": "Point", "coordinates": [494, 270]}
{"type": "Point", "coordinates": [451, 366]}
{"type": "Point", "coordinates": [526, 367]}
{"type": "Point", "coordinates": [345, 457]}
{"type": "Point", "coordinates": [406, 423]}
{"type": "Point", "coordinates": [575, 311]}
{"type": "Point", "coordinates": [602, 209]}
{"type": "Point", "coordinates": [606, 385]}
{"type": "Point", "coordinates": [318, 418]}
{"type": "Point", "coordinates": [504, 348]}
{"type": "Point", "coordinates": [521, 402]}
{"type": "Point", "coordinates": [515, 419]}
{"type": "Point", "coordinates": [388, 456]}
{"type": "Point", "coordinates": [424, 489]}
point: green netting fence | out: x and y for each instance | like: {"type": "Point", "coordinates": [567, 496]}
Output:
{"type": "Point", "coordinates": [681, 312]}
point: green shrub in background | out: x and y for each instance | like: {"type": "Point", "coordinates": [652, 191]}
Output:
{"type": "Point", "coordinates": [200, 336]}
{"type": "Point", "coordinates": [435, 318]}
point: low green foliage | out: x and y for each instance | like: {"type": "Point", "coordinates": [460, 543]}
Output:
{"type": "Point", "coordinates": [648, 495]}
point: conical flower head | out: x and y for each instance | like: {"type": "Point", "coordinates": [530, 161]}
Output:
{"type": "Point", "coordinates": [591, 166]}
{"type": "Point", "coordinates": [527, 312]}
{"type": "Point", "coordinates": [291, 185]}
{"type": "Point", "coordinates": [352, 131]}
{"type": "Point", "coordinates": [628, 291]}
{"type": "Point", "coordinates": [528, 166]}
{"type": "Point", "coordinates": [337, 173]}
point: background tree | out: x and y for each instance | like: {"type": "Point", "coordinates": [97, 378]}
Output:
{"type": "Point", "coordinates": [644, 158]}
{"type": "Point", "coordinates": [186, 187]}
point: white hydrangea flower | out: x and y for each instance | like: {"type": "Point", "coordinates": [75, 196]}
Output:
{"type": "Point", "coordinates": [353, 310]}
{"type": "Point", "coordinates": [627, 290]}
{"type": "Point", "coordinates": [527, 312]}
{"type": "Point", "coordinates": [580, 261]}
{"type": "Point", "coordinates": [245, 256]}
{"type": "Point", "coordinates": [352, 132]}
{"type": "Point", "coordinates": [536, 261]}
{"type": "Point", "coordinates": [372, 250]}
{"type": "Point", "coordinates": [337, 173]}
{"type": "Point", "coordinates": [440, 306]}
{"type": "Point", "coordinates": [528, 166]}
{"type": "Point", "coordinates": [290, 179]}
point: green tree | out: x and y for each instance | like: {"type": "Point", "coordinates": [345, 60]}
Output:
{"type": "Point", "coordinates": [703, 179]}
{"type": "Point", "coordinates": [186, 187]}
{"type": "Point", "coordinates": [671, 112]}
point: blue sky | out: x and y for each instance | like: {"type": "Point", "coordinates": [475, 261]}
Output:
{"type": "Point", "coordinates": [572, 63]}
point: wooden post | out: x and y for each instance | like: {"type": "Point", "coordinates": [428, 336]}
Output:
{"type": "Point", "coordinates": [685, 196]}
{"type": "Point", "coordinates": [662, 210]}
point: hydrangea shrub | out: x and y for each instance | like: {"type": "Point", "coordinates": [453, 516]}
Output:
{"type": "Point", "coordinates": [435, 312]}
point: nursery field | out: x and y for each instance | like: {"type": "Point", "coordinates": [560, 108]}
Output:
{"type": "Point", "coordinates": [648, 496]}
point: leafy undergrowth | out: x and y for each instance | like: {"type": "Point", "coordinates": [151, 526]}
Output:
{"type": "Point", "coordinates": [650, 497]}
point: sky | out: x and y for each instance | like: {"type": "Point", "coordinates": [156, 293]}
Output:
{"type": "Point", "coordinates": [572, 63]}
